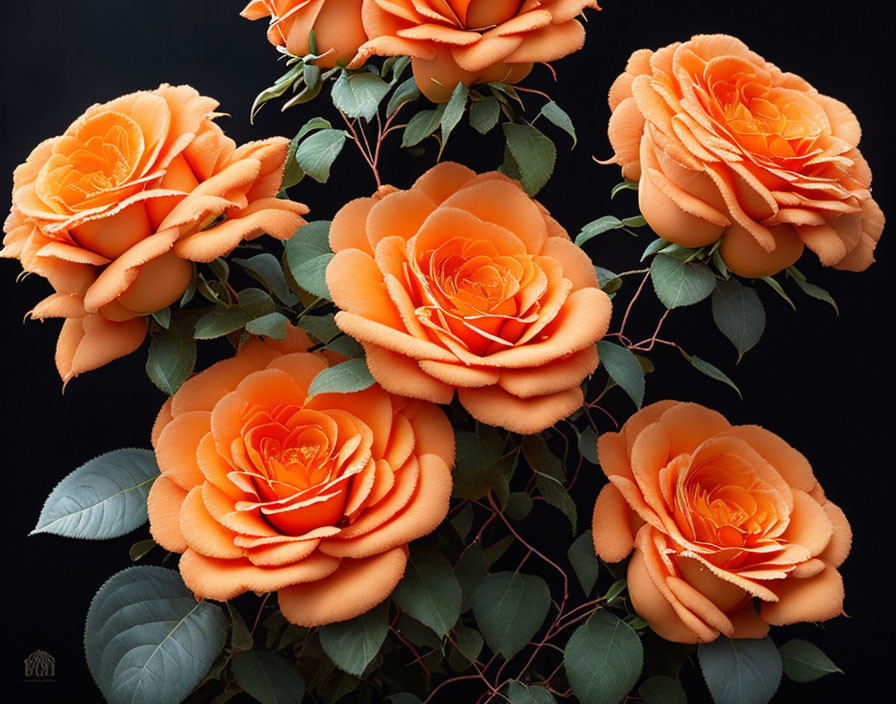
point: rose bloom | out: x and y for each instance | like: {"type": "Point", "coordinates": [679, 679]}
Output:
{"type": "Point", "coordinates": [474, 41]}
{"type": "Point", "coordinates": [717, 515]}
{"type": "Point", "coordinates": [465, 283]}
{"type": "Point", "coordinates": [113, 212]}
{"type": "Point", "coordinates": [265, 489]}
{"type": "Point", "coordinates": [726, 146]}
{"type": "Point", "coordinates": [337, 27]}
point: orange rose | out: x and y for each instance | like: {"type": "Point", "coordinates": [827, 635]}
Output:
{"type": "Point", "coordinates": [114, 211]}
{"type": "Point", "coordinates": [717, 515]}
{"type": "Point", "coordinates": [265, 489]}
{"type": "Point", "coordinates": [337, 27]}
{"type": "Point", "coordinates": [474, 41]}
{"type": "Point", "coordinates": [726, 146]}
{"type": "Point", "coordinates": [464, 282]}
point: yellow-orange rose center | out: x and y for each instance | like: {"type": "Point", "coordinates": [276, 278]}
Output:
{"type": "Point", "coordinates": [768, 121]}
{"type": "Point", "coordinates": [93, 166]}
{"type": "Point", "coordinates": [298, 462]}
{"type": "Point", "coordinates": [722, 504]}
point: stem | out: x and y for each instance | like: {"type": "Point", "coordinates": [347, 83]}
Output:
{"type": "Point", "coordinates": [632, 303]}
{"type": "Point", "coordinates": [260, 609]}
{"type": "Point", "coordinates": [363, 146]}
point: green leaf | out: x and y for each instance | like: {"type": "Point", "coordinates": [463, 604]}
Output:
{"type": "Point", "coordinates": [477, 454]}
{"type": "Point", "coordinates": [623, 368]}
{"type": "Point", "coordinates": [292, 172]}
{"type": "Point", "coordinates": [103, 498]}
{"type": "Point", "coordinates": [148, 640]}
{"type": "Point", "coordinates": [559, 117]}
{"type": "Point", "coordinates": [812, 290]}
{"type": "Point", "coordinates": [603, 660]}
{"type": "Point", "coordinates": [598, 227]}
{"type": "Point", "coordinates": [172, 354]}
{"type": "Point", "coordinates": [484, 114]}
{"type": "Point", "coordinates": [311, 73]}
{"type": "Point", "coordinates": [307, 255]}
{"type": "Point", "coordinates": [470, 570]}
{"type": "Point", "coordinates": [359, 94]}
{"type": "Point", "coordinates": [533, 153]}
{"type": "Point", "coordinates": [462, 521]}
{"type": "Point", "coordinates": [417, 634]}
{"type": "Point", "coordinates": [658, 245]}
{"type": "Point", "coordinates": [240, 637]}
{"type": "Point", "coordinates": [454, 110]}
{"type": "Point", "coordinates": [720, 264]}
{"type": "Point", "coordinates": [345, 378]}
{"type": "Point", "coordinates": [583, 559]}
{"type": "Point", "coordinates": [396, 65]}
{"type": "Point", "coordinates": [316, 154]}
{"type": "Point", "coordinates": [678, 283]}
{"type": "Point", "coordinates": [519, 693]}
{"type": "Point", "coordinates": [429, 591]}
{"type": "Point", "coordinates": [624, 186]}
{"type": "Point", "coordinates": [619, 586]}
{"type": "Point", "coordinates": [272, 325]}
{"type": "Point", "coordinates": [402, 698]}
{"type": "Point", "coordinates": [469, 642]}
{"type": "Point", "coordinates": [322, 327]}
{"type": "Point", "coordinates": [710, 370]}
{"type": "Point", "coordinates": [306, 95]}
{"type": "Point", "coordinates": [254, 303]}
{"type": "Point", "coordinates": [779, 290]}
{"type": "Point", "coordinates": [662, 690]}
{"type": "Point", "coordinates": [739, 314]}
{"type": "Point", "coordinates": [163, 317]}
{"type": "Point", "coordinates": [510, 608]}
{"type": "Point", "coordinates": [347, 346]}
{"type": "Point", "coordinates": [352, 645]}
{"type": "Point", "coordinates": [741, 671]}
{"type": "Point", "coordinates": [267, 270]}
{"type": "Point", "coordinates": [588, 444]}
{"type": "Point", "coordinates": [405, 93]}
{"type": "Point", "coordinates": [275, 91]}
{"type": "Point", "coordinates": [270, 678]}
{"type": "Point", "coordinates": [551, 476]}
{"type": "Point", "coordinates": [421, 125]}
{"type": "Point", "coordinates": [805, 662]}
{"type": "Point", "coordinates": [314, 124]}
{"type": "Point", "coordinates": [519, 505]}
{"type": "Point", "coordinates": [141, 549]}
{"type": "Point", "coordinates": [636, 221]}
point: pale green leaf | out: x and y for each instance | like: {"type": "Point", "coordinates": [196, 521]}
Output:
{"type": "Point", "coordinates": [103, 498]}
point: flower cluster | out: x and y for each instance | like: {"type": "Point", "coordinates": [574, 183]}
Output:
{"type": "Point", "coordinates": [449, 41]}
{"type": "Point", "coordinates": [114, 212]}
{"type": "Point", "coordinates": [396, 355]}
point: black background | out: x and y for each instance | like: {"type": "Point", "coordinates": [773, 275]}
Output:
{"type": "Point", "coordinates": [822, 382]}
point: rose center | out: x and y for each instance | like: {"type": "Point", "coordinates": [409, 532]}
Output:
{"type": "Point", "coordinates": [724, 507]}
{"type": "Point", "coordinates": [767, 121]}
{"type": "Point", "coordinates": [477, 296]}
{"type": "Point", "coordinates": [299, 465]}
{"type": "Point", "coordinates": [90, 168]}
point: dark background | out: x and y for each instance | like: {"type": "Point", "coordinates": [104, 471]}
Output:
{"type": "Point", "coordinates": [822, 382]}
